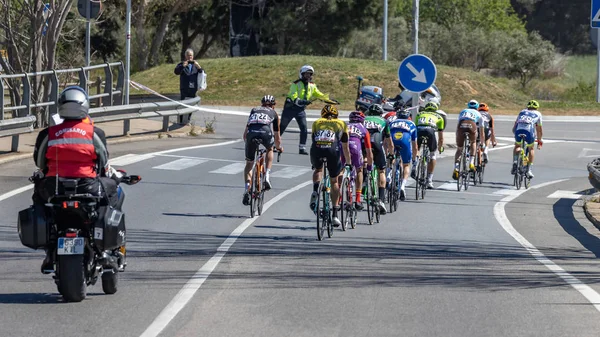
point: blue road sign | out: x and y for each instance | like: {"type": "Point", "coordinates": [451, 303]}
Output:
{"type": "Point", "coordinates": [595, 23]}
{"type": "Point", "coordinates": [417, 73]}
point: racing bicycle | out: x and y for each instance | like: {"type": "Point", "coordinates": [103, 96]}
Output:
{"type": "Point", "coordinates": [395, 181]}
{"type": "Point", "coordinates": [421, 168]}
{"type": "Point", "coordinates": [463, 167]}
{"type": "Point", "coordinates": [370, 192]}
{"type": "Point", "coordinates": [323, 208]}
{"type": "Point", "coordinates": [348, 213]}
{"type": "Point", "coordinates": [257, 188]}
{"type": "Point", "coordinates": [521, 176]}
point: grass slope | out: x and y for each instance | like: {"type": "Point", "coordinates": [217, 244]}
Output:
{"type": "Point", "coordinates": [243, 81]}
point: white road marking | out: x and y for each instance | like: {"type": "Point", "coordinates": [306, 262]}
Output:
{"type": "Point", "coordinates": [500, 213]}
{"type": "Point", "coordinates": [186, 293]}
{"type": "Point", "coordinates": [234, 168]}
{"type": "Point", "coordinates": [28, 187]}
{"type": "Point", "coordinates": [180, 164]}
{"type": "Point", "coordinates": [226, 160]}
{"type": "Point", "coordinates": [564, 195]}
{"type": "Point", "coordinates": [15, 192]}
{"type": "Point", "coordinates": [290, 172]}
{"type": "Point", "coordinates": [129, 159]}
{"type": "Point", "coordinates": [508, 191]}
{"type": "Point", "coordinates": [585, 153]}
{"type": "Point", "coordinates": [449, 186]}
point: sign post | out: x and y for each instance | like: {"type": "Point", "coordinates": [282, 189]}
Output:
{"type": "Point", "coordinates": [417, 73]}
{"type": "Point", "coordinates": [595, 23]}
{"type": "Point", "coordinates": [415, 98]}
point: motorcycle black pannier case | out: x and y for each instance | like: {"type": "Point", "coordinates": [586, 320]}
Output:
{"type": "Point", "coordinates": [33, 229]}
{"type": "Point", "coordinates": [109, 232]}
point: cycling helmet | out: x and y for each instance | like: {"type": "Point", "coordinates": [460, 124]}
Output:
{"type": "Point", "coordinates": [356, 117]}
{"type": "Point", "coordinates": [533, 104]}
{"type": "Point", "coordinates": [306, 68]}
{"type": "Point", "coordinates": [399, 104]}
{"type": "Point", "coordinates": [375, 110]}
{"type": "Point", "coordinates": [329, 110]}
{"type": "Point", "coordinates": [268, 100]}
{"type": "Point", "coordinates": [403, 114]}
{"type": "Point", "coordinates": [73, 103]}
{"type": "Point", "coordinates": [483, 107]}
{"type": "Point", "coordinates": [431, 107]}
{"type": "Point", "coordinates": [473, 104]}
{"type": "Point", "coordinates": [434, 100]}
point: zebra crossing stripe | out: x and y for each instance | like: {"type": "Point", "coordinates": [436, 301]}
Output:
{"type": "Point", "coordinates": [180, 164]}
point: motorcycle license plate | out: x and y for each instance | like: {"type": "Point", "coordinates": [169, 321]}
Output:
{"type": "Point", "coordinates": [70, 246]}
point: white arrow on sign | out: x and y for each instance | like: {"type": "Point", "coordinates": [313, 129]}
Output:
{"type": "Point", "coordinates": [419, 75]}
{"type": "Point", "coordinates": [597, 16]}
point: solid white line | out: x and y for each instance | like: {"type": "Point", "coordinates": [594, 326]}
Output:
{"type": "Point", "coordinates": [234, 168]}
{"type": "Point", "coordinates": [499, 212]}
{"type": "Point", "coordinates": [15, 192]}
{"type": "Point", "coordinates": [180, 164]}
{"type": "Point", "coordinates": [191, 287]}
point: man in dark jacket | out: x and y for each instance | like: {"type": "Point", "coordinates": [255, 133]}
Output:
{"type": "Point", "coordinates": [188, 71]}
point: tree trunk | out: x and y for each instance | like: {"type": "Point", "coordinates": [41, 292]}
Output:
{"type": "Point", "coordinates": [160, 33]}
{"type": "Point", "coordinates": [140, 32]}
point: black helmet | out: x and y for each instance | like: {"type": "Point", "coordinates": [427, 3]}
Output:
{"type": "Point", "coordinates": [399, 104]}
{"type": "Point", "coordinates": [268, 100]}
{"type": "Point", "coordinates": [403, 114]}
{"type": "Point", "coordinates": [375, 110]}
{"type": "Point", "coordinates": [73, 103]}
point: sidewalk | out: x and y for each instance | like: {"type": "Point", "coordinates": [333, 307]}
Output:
{"type": "Point", "coordinates": [141, 129]}
{"type": "Point", "coordinates": [591, 207]}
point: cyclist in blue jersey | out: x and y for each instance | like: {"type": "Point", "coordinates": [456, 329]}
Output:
{"type": "Point", "coordinates": [471, 122]}
{"type": "Point", "coordinates": [404, 136]}
{"type": "Point", "coordinates": [529, 124]}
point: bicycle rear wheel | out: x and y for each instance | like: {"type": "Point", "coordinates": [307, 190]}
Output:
{"type": "Point", "coordinates": [423, 182]}
{"type": "Point", "coordinates": [327, 213]}
{"type": "Point", "coordinates": [481, 172]}
{"type": "Point", "coordinates": [346, 200]}
{"type": "Point", "coordinates": [519, 173]}
{"type": "Point", "coordinates": [352, 214]}
{"type": "Point", "coordinates": [253, 192]}
{"type": "Point", "coordinates": [319, 212]}
{"type": "Point", "coordinates": [476, 167]}
{"type": "Point", "coordinates": [367, 198]}
{"type": "Point", "coordinates": [375, 194]}
{"type": "Point", "coordinates": [261, 194]}
{"type": "Point", "coordinates": [395, 188]}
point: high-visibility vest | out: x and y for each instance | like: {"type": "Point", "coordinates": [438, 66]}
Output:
{"type": "Point", "coordinates": [71, 152]}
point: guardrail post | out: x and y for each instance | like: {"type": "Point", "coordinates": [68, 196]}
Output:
{"type": "Point", "coordinates": [14, 145]}
{"type": "Point", "coordinates": [98, 91]}
{"type": "Point", "coordinates": [126, 127]}
{"type": "Point", "coordinates": [83, 80]}
{"type": "Point", "coordinates": [2, 98]}
{"type": "Point", "coordinates": [108, 86]}
{"type": "Point", "coordinates": [165, 126]}
{"type": "Point", "coordinates": [26, 100]}
{"type": "Point", "coordinates": [53, 109]}
{"type": "Point", "coordinates": [120, 85]}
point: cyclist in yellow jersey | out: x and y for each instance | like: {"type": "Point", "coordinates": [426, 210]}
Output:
{"type": "Point", "coordinates": [327, 132]}
{"type": "Point", "coordinates": [428, 122]}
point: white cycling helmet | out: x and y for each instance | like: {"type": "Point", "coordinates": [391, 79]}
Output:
{"type": "Point", "coordinates": [473, 104]}
{"type": "Point", "coordinates": [433, 99]}
{"type": "Point", "coordinates": [305, 68]}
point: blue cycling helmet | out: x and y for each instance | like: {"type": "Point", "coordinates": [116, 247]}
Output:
{"type": "Point", "coordinates": [473, 104]}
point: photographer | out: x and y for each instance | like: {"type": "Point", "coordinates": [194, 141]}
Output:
{"type": "Point", "coordinates": [188, 71]}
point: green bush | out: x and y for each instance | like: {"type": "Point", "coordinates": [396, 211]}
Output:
{"type": "Point", "coordinates": [584, 91]}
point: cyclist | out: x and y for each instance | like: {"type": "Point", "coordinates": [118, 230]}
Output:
{"type": "Point", "coordinates": [359, 143]}
{"type": "Point", "coordinates": [380, 139]}
{"type": "Point", "coordinates": [404, 136]}
{"type": "Point", "coordinates": [327, 132]}
{"type": "Point", "coordinates": [529, 124]}
{"type": "Point", "coordinates": [488, 126]}
{"type": "Point", "coordinates": [428, 122]}
{"type": "Point", "coordinates": [259, 127]}
{"type": "Point", "coordinates": [391, 116]}
{"type": "Point", "coordinates": [300, 95]}
{"type": "Point", "coordinates": [469, 121]}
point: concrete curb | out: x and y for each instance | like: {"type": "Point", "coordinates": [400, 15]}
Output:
{"type": "Point", "coordinates": [7, 158]}
{"type": "Point", "coordinates": [590, 208]}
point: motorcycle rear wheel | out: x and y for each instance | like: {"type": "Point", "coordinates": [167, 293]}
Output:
{"type": "Point", "coordinates": [71, 277]}
{"type": "Point", "coordinates": [110, 281]}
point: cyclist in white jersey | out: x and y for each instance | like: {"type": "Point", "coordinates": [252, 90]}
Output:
{"type": "Point", "coordinates": [529, 124]}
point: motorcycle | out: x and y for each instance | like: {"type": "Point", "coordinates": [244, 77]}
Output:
{"type": "Point", "coordinates": [87, 236]}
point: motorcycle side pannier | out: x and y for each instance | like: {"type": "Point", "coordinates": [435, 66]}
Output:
{"type": "Point", "coordinates": [34, 231]}
{"type": "Point", "coordinates": [109, 232]}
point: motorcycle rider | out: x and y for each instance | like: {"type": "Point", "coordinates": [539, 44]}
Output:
{"type": "Point", "coordinates": [74, 149]}
{"type": "Point", "coordinates": [299, 96]}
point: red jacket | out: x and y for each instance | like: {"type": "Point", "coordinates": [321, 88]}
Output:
{"type": "Point", "coordinates": [71, 151]}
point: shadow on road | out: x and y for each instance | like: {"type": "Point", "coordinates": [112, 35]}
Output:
{"type": "Point", "coordinates": [563, 213]}
{"type": "Point", "coordinates": [214, 216]}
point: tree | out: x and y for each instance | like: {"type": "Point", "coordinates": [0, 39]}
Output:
{"type": "Point", "coordinates": [527, 63]}
{"type": "Point", "coordinates": [31, 35]}
{"type": "Point", "coordinates": [209, 20]}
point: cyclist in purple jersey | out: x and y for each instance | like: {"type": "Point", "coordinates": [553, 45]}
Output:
{"type": "Point", "coordinates": [359, 142]}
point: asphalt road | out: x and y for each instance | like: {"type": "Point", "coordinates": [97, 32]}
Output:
{"type": "Point", "coordinates": [475, 263]}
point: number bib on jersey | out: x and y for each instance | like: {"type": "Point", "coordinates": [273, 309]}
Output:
{"type": "Point", "coordinates": [259, 118]}
{"type": "Point", "coordinates": [324, 138]}
{"type": "Point", "coordinates": [468, 115]}
{"type": "Point", "coordinates": [372, 125]}
{"type": "Point", "coordinates": [354, 131]}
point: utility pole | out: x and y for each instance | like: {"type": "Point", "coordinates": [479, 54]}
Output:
{"type": "Point", "coordinates": [415, 98]}
{"type": "Point", "coordinates": [385, 28]}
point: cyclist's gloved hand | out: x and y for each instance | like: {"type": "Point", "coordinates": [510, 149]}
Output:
{"type": "Point", "coordinates": [348, 166]}
{"type": "Point", "coordinates": [302, 102]}
{"type": "Point", "coordinates": [441, 149]}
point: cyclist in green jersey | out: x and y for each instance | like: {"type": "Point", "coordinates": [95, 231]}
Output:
{"type": "Point", "coordinates": [379, 131]}
{"type": "Point", "coordinates": [428, 122]}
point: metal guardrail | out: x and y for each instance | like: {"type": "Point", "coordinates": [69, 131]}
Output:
{"type": "Point", "coordinates": [594, 173]}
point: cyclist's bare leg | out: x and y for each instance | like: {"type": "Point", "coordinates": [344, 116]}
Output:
{"type": "Point", "coordinates": [531, 155]}
{"type": "Point", "coordinates": [317, 173]}
{"type": "Point", "coordinates": [335, 190]}
{"type": "Point", "coordinates": [269, 160]}
{"type": "Point", "coordinates": [406, 171]}
{"type": "Point", "coordinates": [457, 155]}
{"type": "Point", "coordinates": [248, 173]}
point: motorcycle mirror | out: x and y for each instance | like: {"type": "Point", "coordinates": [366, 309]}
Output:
{"type": "Point", "coordinates": [134, 179]}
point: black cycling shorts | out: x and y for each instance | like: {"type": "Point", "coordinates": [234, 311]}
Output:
{"type": "Point", "coordinates": [378, 155]}
{"type": "Point", "coordinates": [266, 138]}
{"type": "Point", "coordinates": [430, 134]}
{"type": "Point", "coordinates": [334, 160]}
